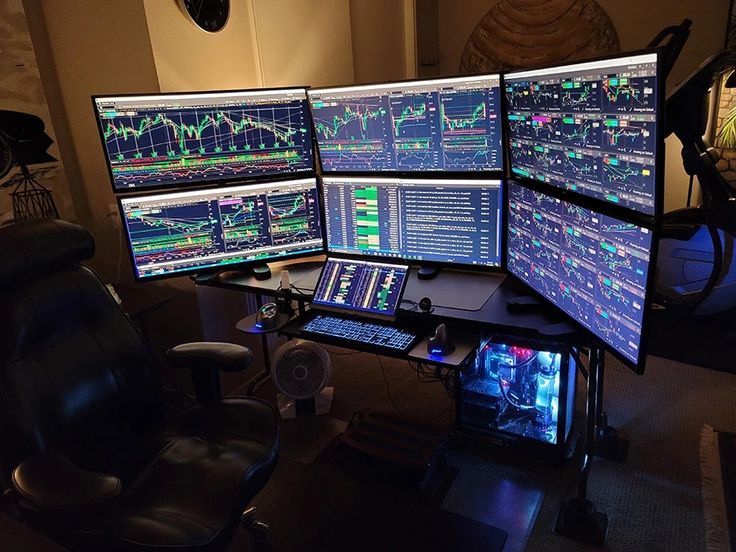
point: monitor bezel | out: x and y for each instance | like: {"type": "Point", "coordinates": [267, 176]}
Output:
{"type": "Point", "coordinates": [198, 183]}
{"type": "Point", "coordinates": [402, 82]}
{"type": "Point", "coordinates": [208, 270]}
{"type": "Point", "coordinates": [601, 205]}
{"type": "Point", "coordinates": [500, 267]}
{"type": "Point", "coordinates": [640, 363]}
{"type": "Point", "coordinates": [348, 312]}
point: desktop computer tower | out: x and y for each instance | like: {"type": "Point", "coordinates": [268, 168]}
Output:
{"type": "Point", "coordinates": [519, 392]}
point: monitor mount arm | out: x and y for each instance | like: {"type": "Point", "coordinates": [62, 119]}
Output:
{"type": "Point", "coordinates": [676, 36]}
{"type": "Point", "coordinates": [687, 118]}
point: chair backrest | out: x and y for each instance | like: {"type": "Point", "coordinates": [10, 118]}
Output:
{"type": "Point", "coordinates": [72, 366]}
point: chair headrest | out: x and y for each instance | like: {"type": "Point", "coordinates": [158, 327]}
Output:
{"type": "Point", "coordinates": [36, 248]}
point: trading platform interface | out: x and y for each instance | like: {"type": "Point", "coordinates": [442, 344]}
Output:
{"type": "Point", "coordinates": [174, 233]}
{"type": "Point", "coordinates": [366, 286]}
{"type": "Point", "coordinates": [592, 266]}
{"type": "Point", "coordinates": [174, 139]}
{"type": "Point", "coordinates": [444, 124]}
{"type": "Point", "coordinates": [437, 220]}
{"type": "Point", "coordinates": [589, 127]}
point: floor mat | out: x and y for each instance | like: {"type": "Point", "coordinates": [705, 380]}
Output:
{"type": "Point", "coordinates": [348, 502]}
{"type": "Point", "coordinates": [304, 438]}
{"type": "Point", "coordinates": [717, 461]}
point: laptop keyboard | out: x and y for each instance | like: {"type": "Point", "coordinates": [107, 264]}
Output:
{"type": "Point", "coordinates": [359, 331]}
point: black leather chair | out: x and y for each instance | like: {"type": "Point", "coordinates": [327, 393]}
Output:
{"type": "Point", "coordinates": [91, 457]}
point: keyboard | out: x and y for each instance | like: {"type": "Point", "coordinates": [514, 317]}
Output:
{"type": "Point", "coordinates": [359, 331]}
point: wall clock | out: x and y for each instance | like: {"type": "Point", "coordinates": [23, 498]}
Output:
{"type": "Point", "coordinates": [208, 15]}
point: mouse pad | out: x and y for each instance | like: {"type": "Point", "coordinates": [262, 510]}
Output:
{"type": "Point", "coordinates": [454, 289]}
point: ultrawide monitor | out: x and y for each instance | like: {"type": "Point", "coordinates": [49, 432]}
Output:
{"type": "Point", "coordinates": [170, 234]}
{"type": "Point", "coordinates": [186, 139]}
{"type": "Point", "coordinates": [592, 128]}
{"type": "Point", "coordinates": [594, 267]}
{"type": "Point", "coordinates": [446, 221]}
{"type": "Point", "coordinates": [451, 124]}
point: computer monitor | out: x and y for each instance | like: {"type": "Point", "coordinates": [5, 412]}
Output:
{"type": "Point", "coordinates": [451, 124]}
{"type": "Point", "coordinates": [593, 128]}
{"type": "Point", "coordinates": [185, 139]}
{"type": "Point", "coordinates": [594, 267]}
{"type": "Point", "coordinates": [429, 221]}
{"type": "Point", "coordinates": [372, 288]}
{"type": "Point", "coordinates": [176, 233]}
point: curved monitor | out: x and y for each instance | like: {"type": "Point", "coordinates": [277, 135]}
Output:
{"type": "Point", "coordinates": [171, 234]}
{"type": "Point", "coordinates": [593, 128]}
{"type": "Point", "coordinates": [451, 124]}
{"type": "Point", "coordinates": [595, 267]}
{"type": "Point", "coordinates": [426, 220]}
{"type": "Point", "coordinates": [186, 139]}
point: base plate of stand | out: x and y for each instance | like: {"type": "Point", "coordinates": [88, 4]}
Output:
{"type": "Point", "coordinates": [578, 520]}
{"type": "Point", "coordinates": [261, 272]}
{"type": "Point", "coordinates": [610, 446]}
{"type": "Point", "coordinates": [428, 272]}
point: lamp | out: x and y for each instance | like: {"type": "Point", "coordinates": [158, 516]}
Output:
{"type": "Point", "coordinates": [24, 142]}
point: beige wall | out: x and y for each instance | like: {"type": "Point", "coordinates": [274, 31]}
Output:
{"type": "Point", "coordinates": [304, 43]}
{"type": "Point", "coordinates": [21, 90]}
{"type": "Point", "coordinates": [378, 40]}
{"type": "Point", "coordinates": [188, 58]}
{"type": "Point", "coordinates": [93, 47]}
{"type": "Point", "coordinates": [636, 22]}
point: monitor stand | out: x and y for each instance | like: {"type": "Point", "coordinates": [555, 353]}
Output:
{"type": "Point", "coordinates": [259, 272]}
{"type": "Point", "coordinates": [558, 330]}
{"type": "Point", "coordinates": [523, 303]}
{"type": "Point", "coordinates": [428, 272]}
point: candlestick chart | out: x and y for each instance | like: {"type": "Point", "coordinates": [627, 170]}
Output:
{"type": "Point", "coordinates": [173, 145]}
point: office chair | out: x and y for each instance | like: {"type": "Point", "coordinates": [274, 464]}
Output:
{"type": "Point", "coordinates": [88, 453]}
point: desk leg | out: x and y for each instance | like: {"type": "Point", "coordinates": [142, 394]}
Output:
{"type": "Point", "coordinates": [258, 380]}
{"type": "Point", "coordinates": [256, 383]}
{"type": "Point", "coordinates": [577, 517]}
{"type": "Point", "coordinates": [608, 444]}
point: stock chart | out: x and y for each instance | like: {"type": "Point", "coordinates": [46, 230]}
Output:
{"type": "Point", "coordinates": [184, 232]}
{"type": "Point", "coordinates": [592, 266]}
{"type": "Point", "coordinates": [448, 124]}
{"type": "Point", "coordinates": [352, 134]}
{"type": "Point", "coordinates": [171, 140]}
{"type": "Point", "coordinates": [597, 125]}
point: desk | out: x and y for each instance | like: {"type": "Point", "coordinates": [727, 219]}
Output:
{"type": "Point", "coordinates": [492, 315]}
{"type": "Point", "coordinates": [493, 312]}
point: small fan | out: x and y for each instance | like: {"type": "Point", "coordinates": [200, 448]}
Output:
{"type": "Point", "coordinates": [301, 370]}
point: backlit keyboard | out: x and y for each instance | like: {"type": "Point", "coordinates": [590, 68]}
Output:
{"type": "Point", "coordinates": [359, 331]}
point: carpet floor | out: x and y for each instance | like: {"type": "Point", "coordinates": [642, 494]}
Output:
{"type": "Point", "coordinates": [653, 500]}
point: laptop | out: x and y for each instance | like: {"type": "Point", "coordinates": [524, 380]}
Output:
{"type": "Point", "coordinates": [355, 301]}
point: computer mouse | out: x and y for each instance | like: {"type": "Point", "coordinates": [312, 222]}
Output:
{"type": "Point", "coordinates": [439, 343]}
{"type": "Point", "coordinates": [267, 317]}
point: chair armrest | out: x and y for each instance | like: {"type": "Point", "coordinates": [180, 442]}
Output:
{"type": "Point", "coordinates": [226, 357]}
{"type": "Point", "coordinates": [50, 481]}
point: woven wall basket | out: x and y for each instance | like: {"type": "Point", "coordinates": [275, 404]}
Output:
{"type": "Point", "coordinates": [529, 33]}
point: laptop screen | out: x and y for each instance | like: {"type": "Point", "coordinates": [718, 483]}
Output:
{"type": "Point", "coordinates": [369, 287]}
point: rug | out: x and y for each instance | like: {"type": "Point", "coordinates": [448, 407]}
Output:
{"type": "Point", "coordinates": [718, 473]}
